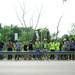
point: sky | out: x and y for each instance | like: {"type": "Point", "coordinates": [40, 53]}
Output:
{"type": "Point", "coordinates": [51, 12]}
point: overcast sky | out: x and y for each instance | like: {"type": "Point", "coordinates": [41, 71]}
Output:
{"type": "Point", "coordinates": [50, 14]}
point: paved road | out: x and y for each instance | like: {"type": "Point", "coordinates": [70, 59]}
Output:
{"type": "Point", "coordinates": [37, 67]}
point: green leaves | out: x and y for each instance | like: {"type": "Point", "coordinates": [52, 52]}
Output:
{"type": "Point", "coordinates": [26, 34]}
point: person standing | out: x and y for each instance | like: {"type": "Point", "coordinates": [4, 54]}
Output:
{"type": "Point", "coordinates": [1, 49]}
{"type": "Point", "coordinates": [72, 48]}
{"type": "Point", "coordinates": [30, 48]}
{"type": "Point", "coordinates": [10, 48]}
{"type": "Point", "coordinates": [57, 49]}
{"type": "Point", "coordinates": [37, 49]}
{"type": "Point", "coordinates": [52, 49]}
{"type": "Point", "coordinates": [18, 49]}
{"type": "Point", "coordinates": [25, 47]}
{"type": "Point", "coordinates": [66, 47]}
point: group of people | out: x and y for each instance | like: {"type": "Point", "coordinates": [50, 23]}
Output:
{"type": "Point", "coordinates": [14, 46]}
{"type": "Point", "coordinates": [53, 45]}
{"type": "Point", "coordinates": [69, 44]}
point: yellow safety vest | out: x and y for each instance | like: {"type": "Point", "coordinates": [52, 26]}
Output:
{"type": "Point", "coordinates": [37, 45]}
{"type": "Point", "coordinates": [57, 44]}
{"type": "Point", "coordinates": [45, 45]}
{"type": "Point", "coordinates": [52, 46]}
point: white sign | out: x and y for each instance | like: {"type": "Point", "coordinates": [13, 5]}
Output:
{"type": "Point", "coordinates": [15, 36]}
{"type": "Point", "coordinates": [37, 35]}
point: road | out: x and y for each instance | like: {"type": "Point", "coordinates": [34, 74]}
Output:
{"type": "Point", "coordinates": [37, 67]}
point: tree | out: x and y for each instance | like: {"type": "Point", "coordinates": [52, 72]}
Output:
{"type": "Point", "coordinates": [48, 36]}
{"type": "Point", "coordinates": [72, 31]}
{"type": "Point", "coordinates": [28, 34]}
{"type": "Point", "coordinates": [58, 26]}
{"type": "Point", "coordinates": [64, 1]}
{"type": "Point", "coordinates": [22, 19]}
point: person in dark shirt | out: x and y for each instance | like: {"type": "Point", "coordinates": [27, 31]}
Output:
{"type": "Point", "coordinates": [30, 47]}
{"type": "Point", "coordinates": [1, 45]}
{"type": "Point", "coordinates": [10, 48]}
{"type": "Point", "coordinates": [25, 47]}
{"type": "Point", "coordinates": [1, 48]}
{"type": "Point", "coordinates": [72, 48]}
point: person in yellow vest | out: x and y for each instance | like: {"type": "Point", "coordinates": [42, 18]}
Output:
{"type": "Point", "coordinates": [45, 45]}
{"type": "Point", "coordinates": [57, 44]}
{"type": "Point", "coordinates": [45, 49]}
{"type": "Point", "coordinates": [52, 48]}
{"type": "Point", "coordinates": [37, 44]}
{"type": "Point", "coordinates": [57, 48]}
